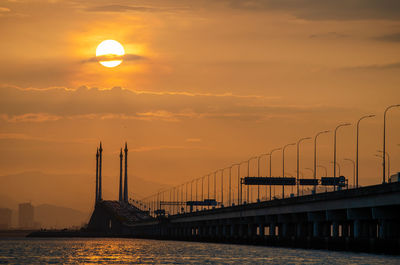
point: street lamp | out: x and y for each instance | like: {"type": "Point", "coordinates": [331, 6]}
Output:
{"type": "Point", "coordinates": [270, 169]}
{"type": "Point", "coordinates": [222, 184]}
{"type": "Point", "coordinates": [354, 166]}
{"type": "Point", "coordinates": [298, 160]}
{"type": "Point", "coordinates": [334, 151]}
{"type": "Point", "coordinates": [238, 177]}
{"type": "Point", "coordinates": [258, 175]}
{"type": "Point", "coordinates": [384, 140]}
{"type": "Point", "coordinates": [315, 157]}
{"type": "Point", "coordinates": [248, 175]}
{"type": "Point", "coordinates": [239, 183]}
{"type": "Point", "coordinates": [358, 130]}
{"type": "Point", "coordinates": [338, 166]}
{"type": "Point", "coordinates": [283, 167]}
{"type": "Point", "coordinates": [388, 158]}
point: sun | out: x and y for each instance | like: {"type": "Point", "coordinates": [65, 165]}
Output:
{"type": "Point", "coordinates": [109, 53]}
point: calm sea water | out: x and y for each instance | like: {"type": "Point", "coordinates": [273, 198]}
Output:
{"type": "Point", "coordinates": [139, 251]}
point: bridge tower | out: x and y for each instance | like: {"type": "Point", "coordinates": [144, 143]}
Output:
{"type": "Point", "coordinates": [126, 174]}
{"type": "Point", "coordinates": [120, 176]}
{"type": "Point", "coordinates": [97, 176]}
{"type": "Point", "coordinates": [100, 166]}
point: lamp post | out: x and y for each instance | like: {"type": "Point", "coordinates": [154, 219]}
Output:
{"type": "Point", "coordinates": [270, 168]}
{"type": "Point", "coordinates": [334, 152]}
{"type": "Point", "coordinates": [358, 131]}
{"type": "Point", "coordinates": [388, 158]}
{"type": "Point", "coordinates": [354, 169]}
{"type": "Point", "coordinates": [230, 183]}
{"type": "Point", "coordinates": [222, 184]}
{"type": "Point", "coordinates": [258, 175]}
{"type": "Point", "coordinates": [384, 140]}
{"type": "Point", "coordinates": [315, 157]}
{"type": "Point", "coordinates": [248, 175]}
{"type": "Point", "coordinates": [338, 166]}
{"type": "Point", "coordinates": [238, 178]}
{"type": "Point", "coordinates": [239, 182]}
{"type": "Point", "coordinates": [298, 160]}
{"type": "Point", "coordinates": [283, 167]}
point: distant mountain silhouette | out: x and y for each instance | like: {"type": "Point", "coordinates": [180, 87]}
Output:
{"type": "Point", "coordinates": [51, 216]}
{"type": "Point", "coordinates": [74, 191]}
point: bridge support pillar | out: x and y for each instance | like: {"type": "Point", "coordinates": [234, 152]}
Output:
{"type": "Point", "coordinates": [299, 230]}
{"type": "Point", "coordinates": [272, 229]}
{"type": "Point", "coordinates": [232, 230]}
{"type": "Point", "coordinates": [261, 230]}
{"type": "Point", "coordinates": [357, 228]}
{"type": "Point", "coordinates": [316, 229]}
{"type": "Point", "coordinates": [285, 228]}
{"type": "Point", "coordinates": [335, 229]}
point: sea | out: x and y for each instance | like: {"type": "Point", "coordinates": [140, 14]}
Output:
{"type": "Point", "coordinates": [141, 251]}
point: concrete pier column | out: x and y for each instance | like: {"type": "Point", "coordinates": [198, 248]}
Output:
{"type": "Point", "coordinates": [224, 230]}
{"type": "Point", "coordinates": [261, 230]}
{"type": "Point", "coordinates": [272, 229]}
{"type": "Point", "coordinates": [316, 229]}
{"type": "Point", "coordinates": [232, 230]}
{"type": "Point", "coordinates": [335, 229]}
{"type": "Point", "coordinates": [299, 230]}
{"type": "Point", "coordinates": [383, 229]}
{"type": "Point", "coordinates": [285, 228]}
{"type": "Point", "coordinates": [372, 230]}
{"type": "Point", "coordinates": [345, 230]}
{"type": "Point", "coordinates": [250, 230]}
{"type": "Point", "coordinates": [357, 228]}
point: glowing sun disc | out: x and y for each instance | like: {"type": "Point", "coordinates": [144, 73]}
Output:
{"type": "Point", "coordinates": [109, 53]}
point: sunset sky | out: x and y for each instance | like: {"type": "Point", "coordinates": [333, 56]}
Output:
{"type": "Point", "coordinates": [203, 84]}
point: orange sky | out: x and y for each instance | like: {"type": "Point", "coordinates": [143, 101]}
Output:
{"type": "Point", "coordinates": [214, 83]}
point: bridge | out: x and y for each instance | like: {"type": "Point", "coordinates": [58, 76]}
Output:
{"type": "Point", "coordinates": [319, 212]}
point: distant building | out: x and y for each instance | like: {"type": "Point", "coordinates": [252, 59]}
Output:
{"type": "Point", "coordinates": [25, 214]}
{"type": "Point", "coordinates": [5, 218]}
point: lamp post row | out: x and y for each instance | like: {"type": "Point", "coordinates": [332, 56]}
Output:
{"type": "Point", "coordinates": [335, 164]}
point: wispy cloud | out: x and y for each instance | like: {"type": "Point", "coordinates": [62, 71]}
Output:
{"type": "Point", "coordinates": [193, 140]}
{"type": "Point", "coordinates": [328, 35]}
{"type": "Point", "coordinates": [389, 37]}
{"type": "Point", "coordinates": [4, 9]}
{"type": "Point", "coordinates": [112, 57]}
{"type": "Point", "coordinates": [325, 10]}
{"type": "Point", "coordinates": [389, 66]}
{"type": "Point", "coordinates": [26, 137]}
{"type": "Point", "coordinates": [163, 147]}
{"type": "Point", "coordinates": [130, 8]}
{"type": "Point", "coordinates": [30, 117]}
{"type": "Point", "coordinates": [121, 8]}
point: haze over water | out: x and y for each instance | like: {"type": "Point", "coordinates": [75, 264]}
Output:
{"type": "Point", "coordinates": [139, 251]}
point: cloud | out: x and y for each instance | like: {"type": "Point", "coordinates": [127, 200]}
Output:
{"type": "Point", "coordinates": [389, 38]}
{"type": "Point", "coordinates": [161, 147]}
{"type": "Point", "coordinates": [329, 35]}
{"type": "Point", "coordinates": [121, 8]}
{"type": "Point", "coordinates": [325, 10]}
{"type": "Point", "coordinates": [30, 117]}
{"type": "Point", "coordinates": [389, 66]}
{"type": "Point", "coordinates": [112, 57]}
{"type": "Point", "coordinates": [4, 9]}
{"type": "Point", "coordinates": [50, 105]}
{"type": "Point", "coordinates": [193, 140]}
{"type": "Point", "coordinates": [26, 137]}
{"type": "Point", "coordinates": [129, 8]}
